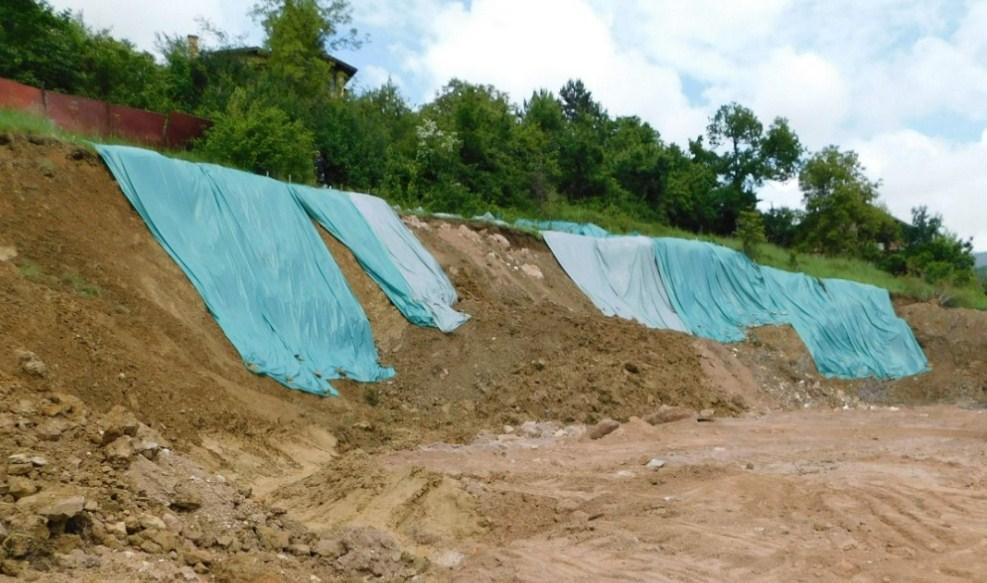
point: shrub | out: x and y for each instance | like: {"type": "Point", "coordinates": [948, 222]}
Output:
{"type": "Point", "coordinates": [260, 138]}
{"type": "Point", "coordinates": [750, 231]}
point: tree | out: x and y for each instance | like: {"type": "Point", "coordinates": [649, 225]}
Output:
{"type": "Point", "coordinates": [747, 156]}
{"type": "Point", "coordinates": [260, 138]}
{"type": "Point", "coordinates": [781, 225]}
{"type": "Point", "coordinates": [582, 145]}
{"type": "Point", "coordinates": [931, 252]}
{"type": "Point", "coordinates": [841, 217]}
{"type": "Point", "coordinates": [750, 231]}
{"type": "Point", "coordinates": [299, 32]}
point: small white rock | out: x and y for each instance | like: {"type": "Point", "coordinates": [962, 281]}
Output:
{"type": "Point", "coordinates": [655, 463]}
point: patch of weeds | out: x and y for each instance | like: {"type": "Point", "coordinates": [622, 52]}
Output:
{"type": "Point", "coordinates": [80, 285]}
{"type": "Point", "coordinates": [31, 271]}
{"type": "Point", "coordinates": [372, 396]}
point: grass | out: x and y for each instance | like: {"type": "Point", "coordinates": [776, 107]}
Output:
{"type": "Point", "coordinates": [611, 219]}
{"type": "Point", "coordinates": [34, 273]}
{"type": "Point", "coordinates": [29, 124]}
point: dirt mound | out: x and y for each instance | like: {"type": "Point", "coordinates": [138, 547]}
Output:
{"type": "Point", "coordinates": [122, 403]}
{"type": "Point", "coordinates": [93, 309]}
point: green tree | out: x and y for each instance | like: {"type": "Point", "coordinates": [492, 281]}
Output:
{"type": "Point", "coordinates": [841, 216]}
{"type": "Point", "coordinates": [298, 34]}
{"type": "Point", "coordinates": [40, 46]}
{"type": "Point", "coordinates": [747, 156]}
{"type": "Point", "coordinates": [582, 155]}
{"type": "Point", "coordinates": [931, 252]}
{"type": "Point", "coordinates": [689, 200]}
{"type": "Point", "coordinates": [491, 163]}
{"type": "Point", "coordinates": [750, 231]}
{"type": "Point", "coordinates": [781, 225]}
{"type": "Point", "coordinates": [260, 138]}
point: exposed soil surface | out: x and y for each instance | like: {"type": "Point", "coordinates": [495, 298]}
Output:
{"type": "Point", "coordinates": [143, 450]}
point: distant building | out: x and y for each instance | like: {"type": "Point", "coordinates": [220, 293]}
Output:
{"type": "Point", "coordinates": [342, 71]}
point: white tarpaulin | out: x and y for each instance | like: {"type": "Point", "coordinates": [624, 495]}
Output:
{"type": "Point", "coordinates": [619, 274]}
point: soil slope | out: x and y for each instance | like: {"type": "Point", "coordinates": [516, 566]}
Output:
{"type": "Point", "coordinates": [142, 449]}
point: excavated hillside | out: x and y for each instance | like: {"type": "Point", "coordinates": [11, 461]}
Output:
{"type": "Point", "coordinates": [142, 449]}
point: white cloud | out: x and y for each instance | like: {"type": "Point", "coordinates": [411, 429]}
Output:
{"type": "Point", "coordinates": [805, 88]}
{"type": "Point", "coordinates": [372, 76]}
{"type": "Point", "coordinates": [140, 20]}
{"type": "Point", "coordinates": [950, 178]}
{"type": "Point", "coordinates": [490, 43]}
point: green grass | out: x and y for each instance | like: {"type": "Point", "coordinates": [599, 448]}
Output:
{"type": "Point", "coordinates": [33, 272]}
{"type": "Point", "coordinates": [29, 124]}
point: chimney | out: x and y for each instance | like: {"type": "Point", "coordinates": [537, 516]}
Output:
{"type": "Point", "coordinates": [193, 45]}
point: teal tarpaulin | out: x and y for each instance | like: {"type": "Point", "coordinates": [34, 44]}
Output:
{"type": "Point", "coordinates": [254, 256]}
{"type": "Point", "coordinates": [588, 229]}
{"type": "Point", "coordinates": [850, 328]}
{"type": "Point", "coordinates": [618, 274]}
{"type": "Point", "coordinates": [407, 273]}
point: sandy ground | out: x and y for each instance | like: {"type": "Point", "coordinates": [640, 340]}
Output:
{"type": "Point", "coordinates": [845, 495]}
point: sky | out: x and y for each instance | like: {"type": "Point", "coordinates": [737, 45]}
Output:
{"type": "Point", "coordinates": [902, 82]}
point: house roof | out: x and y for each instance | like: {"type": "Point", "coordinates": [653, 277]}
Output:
{"type": "Point", "coordinates": [347, 68]}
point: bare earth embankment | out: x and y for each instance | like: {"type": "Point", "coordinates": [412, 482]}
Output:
{"type": "Point", "coordinates": [136, 447]}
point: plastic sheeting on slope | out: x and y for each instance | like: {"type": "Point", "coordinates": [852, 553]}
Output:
{"type": "Point", "coordinates": [407, 273]}
{"type": "Point", "coordinates": [588, 229]}
{"type": "Point", "coordinates": [717, 292]}
{"type": "Point", "coordinates": [254, 256]}
{"type": "Point", "coordinates": [850, 329]}
{"type": "Point", "coordinates": [619, 274]}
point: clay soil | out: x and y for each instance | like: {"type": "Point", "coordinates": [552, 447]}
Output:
{"type": "Point", "coordinates": [472, 464]}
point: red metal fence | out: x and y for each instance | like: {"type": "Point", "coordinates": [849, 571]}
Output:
{"type": "Point", "coordinates": [95, 117]}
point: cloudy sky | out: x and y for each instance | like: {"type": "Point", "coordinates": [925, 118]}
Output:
{"type": "Point", "coordinates": [902, 82]}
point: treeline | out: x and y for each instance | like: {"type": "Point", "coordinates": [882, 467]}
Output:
{"type": "Point", "coordinates": [471, 149]}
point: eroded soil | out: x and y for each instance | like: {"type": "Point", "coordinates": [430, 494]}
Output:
{"type": "Point", "coordinates": [143, 450]}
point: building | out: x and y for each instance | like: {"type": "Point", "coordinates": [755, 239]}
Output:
{"type": "Point", "coordinates": [342, 71]}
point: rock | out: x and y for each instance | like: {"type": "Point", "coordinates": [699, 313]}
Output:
{"type": "Point", "coordinates": [448, 559]}
{"type": "Point", "coordinates": [52, 429]}
{"type": "Point", "coordinates": [19, 487]}
{"type": "Point", "coordinates": [19, 467]}
{"type": "Point", "coordinates": [706, 415]}
{"type": "Point", "coordinates": [329, 548]}
{"type": "Point", "coordinates": [31, 364]}
{"type": "Point", "coordinates": [197, 557]}
{"type": "Point", "coordinates": [117, 529]}
{"type": "Point", "coordinates": [500, 240]}
{"type": "Point", "coordinates": [151, 521]}
{"type": "Point", "coordinates": [18, 545]}
{"type": "Point", "coordinates": [185, 498]}
{"type": "Point", "coordinates": [7, 252]}
{"type": "Point", "coordinates": [603, 428]}
{"type": "Point", "coordinates": [118, 422]}
{"type": "Point", "coordinates": [188, 574]}
{"type": "Point", "coordinates": [532, 271]}
{"type": "Point", "coordinates": [273, 538]}
{"type": "Point", "coordinates": [669, 414]}
{"type": "Point", "coordinates": [12, 568]}
{"type": "Point", "coordinates": [300, 550]}
{"type": "Point", "coordinates": [62, 507]}
{"type": "Point", "coordinates": [172, 522]}
{"type": "Point", "coordinates": [166, 540]}
{"type": "Point", "coordinates": [655, 463]}
{"type": "Point", "coordinates": [120, 449]}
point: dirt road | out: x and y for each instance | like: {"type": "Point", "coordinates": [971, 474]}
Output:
{"type": "Point", "coordinates": [854, 495]}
